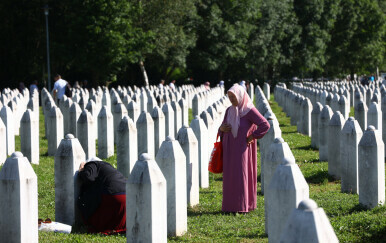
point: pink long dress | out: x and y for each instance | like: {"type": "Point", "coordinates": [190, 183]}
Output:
{"type": "Point", "coordinates": [240, 163]}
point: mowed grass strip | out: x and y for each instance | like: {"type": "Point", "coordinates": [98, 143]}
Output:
{"type": "Point", "coordinates": [206, 222]}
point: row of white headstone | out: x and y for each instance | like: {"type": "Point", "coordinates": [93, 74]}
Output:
{"type": "Point", "coordinates": [355, 157]}
{"type": "Point", "coordinates": [162, 208]}
{"type": "Point", "coordinates": [72, 115]}
{"type": "Point", "coordinates": [290, 216]}
{"type": "Point", "coordinates": [157, 206]}
{"type": "Point", "coordinates": [182, 178]}
{"type": "Point", "coordinates": [19, 116]}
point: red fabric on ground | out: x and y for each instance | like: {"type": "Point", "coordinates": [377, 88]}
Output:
{"type": "Point", "coordinates": [110, 217]}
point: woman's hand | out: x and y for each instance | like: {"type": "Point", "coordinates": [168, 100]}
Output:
{"type": "Point", "coordinates": [225, 128]}
{"type": "Point", "coordinates": [250, 139]}
{"type": "Point", "coordinates": [81, 166]}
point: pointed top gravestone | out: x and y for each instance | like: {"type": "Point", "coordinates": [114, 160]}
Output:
{"type": "Point", "coordinates": [349, 141]}
{"type": "Point", "coordinates": [308, 224]}
{"type": "Point", "coordinates": [68, 158]}
{"type": "Point", "coordinates": [127, 149]}
{"type": "Point", "coordinates": [18, 201]}
{"type": "Point", "coordinates": [286, 189]}
{"type": "Point", "coordinates": [371, 168]}
{"type": "Point", "coordinates": [146, 209]}
{"type": "Point", "coordinates": [172, 162]}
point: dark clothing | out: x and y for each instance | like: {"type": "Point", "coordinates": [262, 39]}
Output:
{"type": "Point", "coordinates": [100, 184]}
{"type": "Point", "coordinates": [110, 217]}
{"type": "Point", "coordinates": [106, 177]}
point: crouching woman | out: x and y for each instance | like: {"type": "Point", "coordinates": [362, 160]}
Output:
{"type": "Point", "coordinates": [102, 199]}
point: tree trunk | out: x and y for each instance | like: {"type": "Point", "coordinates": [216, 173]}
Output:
{"type": "Point", "coordinates": [144, 74]}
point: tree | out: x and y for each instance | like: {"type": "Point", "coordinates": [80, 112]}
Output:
{"type": "Point", "coordinates": [170, 31]}
{"type": "Point", "coordinates": [91, 37]}
{"type": "Point", "coordinates": [223, 31]}
{"type": "Point", "coordinates": [273, 40]}
{"type": "Point", "coordinates": [22, 50]}
{"type": "Point", "coordinates": [358, 39]}
{"type": "Point", "coordinates": [317, 19]}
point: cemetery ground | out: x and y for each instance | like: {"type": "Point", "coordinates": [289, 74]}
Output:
{"type": "Point", "coordinates": [206, 222]}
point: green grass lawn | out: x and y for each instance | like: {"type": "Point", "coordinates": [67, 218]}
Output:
{"type": "Point", "coordinates": [206, 222]}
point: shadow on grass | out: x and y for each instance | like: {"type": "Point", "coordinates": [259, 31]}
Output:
{"type": "Point", "coordinates": [321, 177]}
{"type": "Point", "coordinates": [289, 132]}
{"type": "Point", "coordinates": [357, 208]}
{"type": "Point", "coordinates": [253, 236]}
{"type": "Point", "coordinates": [379, 236]}
{"type": "Point", "coordinates": [200, 213]}
{"type": "Point", "coordinates": [308, 147]}
{"type": "Point", "coordinates": [218, 179]}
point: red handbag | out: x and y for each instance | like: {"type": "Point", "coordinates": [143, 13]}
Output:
{"type": "Point", "coordinates": [215, 161]}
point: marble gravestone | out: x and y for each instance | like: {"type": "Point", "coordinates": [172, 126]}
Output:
{"type": "Point", "coordinates": [146, 209]}
{"type": "Point", "coordinates": [18, 201]}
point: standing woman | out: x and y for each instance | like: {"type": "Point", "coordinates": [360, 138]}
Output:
{"type": "Point", "coordinates": [241, 126]}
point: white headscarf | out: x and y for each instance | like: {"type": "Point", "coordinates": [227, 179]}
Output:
{"type": "Point", "coordinates": [236, 112]}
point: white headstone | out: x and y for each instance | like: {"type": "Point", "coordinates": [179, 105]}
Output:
{"type": "Point", "coordinates": [74, 113]}
{"type": "Point", "coordinates": [324, 119]}
{"type": "Point", "coordinates": [333, 142]}
{"type": "Point", "coordinates": [8, 120]}
{"type": "Point", "coordinates": [273, 132]}
{"type": "Point", "coordinates": [127, 149]}
{"type": "Point", "coordinates": [177, 116]}
{"type": "Point", "coordinates": [185, 111]}
{"type": "Point", "coordinates": [169, 119]}
{"type": "Point", "coordinates": [68, 157]}
{"type": "Point", "coordinates": [371, 168]}
{"type": "Point", "coordinates": [189, 145]}
{"type": "Point", "coordinates": [145, 128]}
{"type": "Point", "coordinates": [55, 126]}
{"type": "Point", "coordinates": [201, 131]}
{"type": "Point", "coordinates": [317, 109]}
{"type": "Point", "coordinates": [159, 127]}
{"type": "Point", "coordinates": [286, 190]}
{"type": "Point", "coordinates": [29, 136]}
{"type": "Point", "coordinates": [277, 151]}
{"type": "Point", "coordinates": [349, 141]}
{"type": "Point", "coordinates": [361, 114]}
{"type": "Point", "coordinates": [118, 113]}
{"type": "Point", "coordinates": [105, 133]}
{"type": "Point", "coordinates": [66, 115]}
{"type": "Point", "coordinates": [374, 116]}
{"type": "Point", "coordinates": [146, 210]}
{"type": "Point", "coordinates": [86, 134]}
{"type": "Point", "coordinates": [308, 224]}
{"type": "Point", "coordinates": [3, 142]}
{"type": "Point", "coordinates": [172, 162]}
{"type": "Point", "coordinates": [18, 201]}
{"type": "Point", "coordinates": [133, 110]}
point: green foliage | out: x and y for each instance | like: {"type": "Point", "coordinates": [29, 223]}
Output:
{"type": "Point", "coordinates": [99, 32]}
{"type": "Point", "coordinates": [170, 24]}
{"type": "Point", "coordinates": [358, 39]}
{"type": "Point", "coordinates": [204, 39]}
{"type": "Point", "coordinates": [223, 30]}
{"type": "Point", "coordinates": [273, 40]}
{"type": "Point", "coordinates": [317, 18]}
